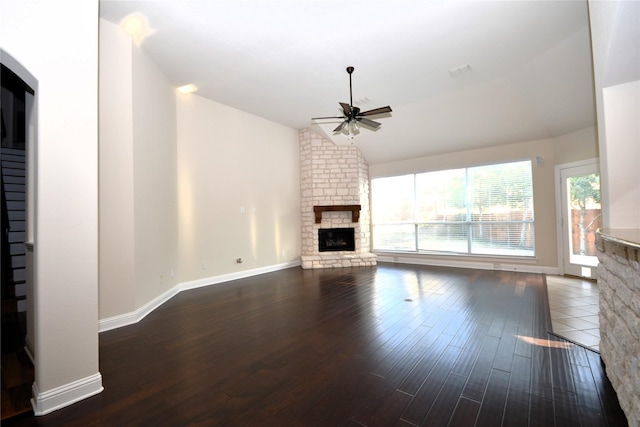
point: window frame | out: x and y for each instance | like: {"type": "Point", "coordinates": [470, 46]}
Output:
{"type": "Point", "coordinates": [527, 223]}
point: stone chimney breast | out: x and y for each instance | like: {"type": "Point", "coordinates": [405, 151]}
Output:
{"type": "Point", "coordinates": [334, 180]}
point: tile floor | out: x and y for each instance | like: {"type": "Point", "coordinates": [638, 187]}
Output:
{"type": "Point", "coordinates": [574, 309]}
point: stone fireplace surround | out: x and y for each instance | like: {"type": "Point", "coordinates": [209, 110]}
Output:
{"type": "Point", "coordinates": [333, 179]}
{"type": "Point", "coordinates": [619, 284]}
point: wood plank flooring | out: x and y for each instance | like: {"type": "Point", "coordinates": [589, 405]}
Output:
{"type": "Point", "coordinates": [392, 345]}
{"type": "Point", "coordinates": [16, 369]}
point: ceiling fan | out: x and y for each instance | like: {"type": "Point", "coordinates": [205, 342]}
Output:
{"type": "Point", "coordinates": [352, 115]}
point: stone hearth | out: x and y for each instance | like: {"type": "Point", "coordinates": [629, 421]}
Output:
{"type": "Point", "coordinates": [332, 175]}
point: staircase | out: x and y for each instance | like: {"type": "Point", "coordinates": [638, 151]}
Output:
{"type": "Point", "coordinates": [13, 231]}
{"type": "Point", "coordinates": [16, 368]}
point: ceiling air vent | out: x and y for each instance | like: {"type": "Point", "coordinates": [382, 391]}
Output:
{"type": "Point", "coordinates": [458, 71]}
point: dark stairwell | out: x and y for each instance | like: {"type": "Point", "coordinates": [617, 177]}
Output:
{"type": "Point", "coordinates": [17, 373]}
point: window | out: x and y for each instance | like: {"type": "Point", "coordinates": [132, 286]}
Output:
{"type": "Point", "coordinates": [484, 210]}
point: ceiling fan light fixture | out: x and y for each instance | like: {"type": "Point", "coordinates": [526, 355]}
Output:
{"type": "Point", "coordinates": [351, 130]}
{"type": "Point", "coordinates": [352, 116]}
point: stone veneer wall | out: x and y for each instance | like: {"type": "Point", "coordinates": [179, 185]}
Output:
{"type": "Point", "coordinates": [333, 175]}
{"type": "Point", "coordinates": [619, 285]}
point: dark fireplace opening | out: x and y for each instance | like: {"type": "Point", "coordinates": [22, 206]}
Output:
{"type": "Point", "coordinates": [336, 239]}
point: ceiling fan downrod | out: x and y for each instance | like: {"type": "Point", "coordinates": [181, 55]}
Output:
{"type": "Point", "coordinates": [350, 71]}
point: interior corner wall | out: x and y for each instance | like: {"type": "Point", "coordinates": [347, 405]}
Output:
{"type": "Point", "coordinates": [138, 189]}
{"type": "Point", "coordinates": [116, 251]}
{"type": "Point", "coordinates": [575, 146]}
{"type": "Point", "coordinates": [155, 194]}
{"type": "Point", "coordinates": [239, 190]}
{"type": "Point", "coordinates": [58, 44]}
{"type": "Point", "coordinates": [615, 44]}
{"type": "Point", "coordinates": [622, 116]}
{"type": "Point", "coordinates": [364, 188]}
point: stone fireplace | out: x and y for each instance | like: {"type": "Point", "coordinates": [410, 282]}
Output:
{"type": "Point", "coordinates": [334, 196]}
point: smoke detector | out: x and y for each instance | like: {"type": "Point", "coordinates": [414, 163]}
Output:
{"type": "Point", "coordinates": [457, 71]}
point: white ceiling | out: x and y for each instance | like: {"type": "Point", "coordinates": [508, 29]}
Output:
{"type": "Point", "coordinates": [284, 60]}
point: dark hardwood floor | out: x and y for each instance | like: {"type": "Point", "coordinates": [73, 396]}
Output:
{"type": "Point", "coordinates": [394, 345]}
{"type": "Point", "coordinates": [16, 369]}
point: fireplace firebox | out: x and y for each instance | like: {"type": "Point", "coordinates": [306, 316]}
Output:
{"type": "Point", "coordinates": [336, 239]}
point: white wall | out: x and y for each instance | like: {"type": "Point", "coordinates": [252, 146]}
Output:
{"type": "Point", "coordinates": [622, 116]}
{"type": "Point", "coordinates": [117, 243]}
{"type": "Point", "coordinates": [170, 201]}
{"type": "Point", "coordinates": [229, 160]}
{"type": "Point", "coordinates": [615, 36]}
{"type": "Point", "coordinates": [574, 146]}
{"type": "Point", "coordinates": [57, 42]}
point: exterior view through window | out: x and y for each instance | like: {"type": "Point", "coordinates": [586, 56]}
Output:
{"type": "Point", "coordinates": [586, 217]}
{"type": "Point", "coordinates": [483, 210]}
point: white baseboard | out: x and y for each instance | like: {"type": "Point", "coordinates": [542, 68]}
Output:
{"type": "Point", "coordinates": [459, 263]}
{"type": "Point", "coordinates": [68, 394]}
{"type": "Point", "coordinates": [214, 280]}
{"type": "Point", "coordinates": [136, 316]}
{"type": "Point", "coordinates": [133, 317]}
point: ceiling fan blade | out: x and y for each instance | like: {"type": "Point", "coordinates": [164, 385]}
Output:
{"type": "Point", "coordinates": [369, 123]}
{"type": "Point", "coordinates": [335, 117]}
{"type": "Point", "coordinates": [380, 110]}
{"type": "Point", "coordinates": [339, 128]}
{"type": "Point", "coordinates": [346, 108]}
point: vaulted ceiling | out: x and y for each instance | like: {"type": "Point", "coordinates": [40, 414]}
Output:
{"type": "Point", "coordinates": [528, 65]}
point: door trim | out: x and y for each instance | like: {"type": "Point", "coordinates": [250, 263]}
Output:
{"type": "Point", "coordinates": [558, 186]}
